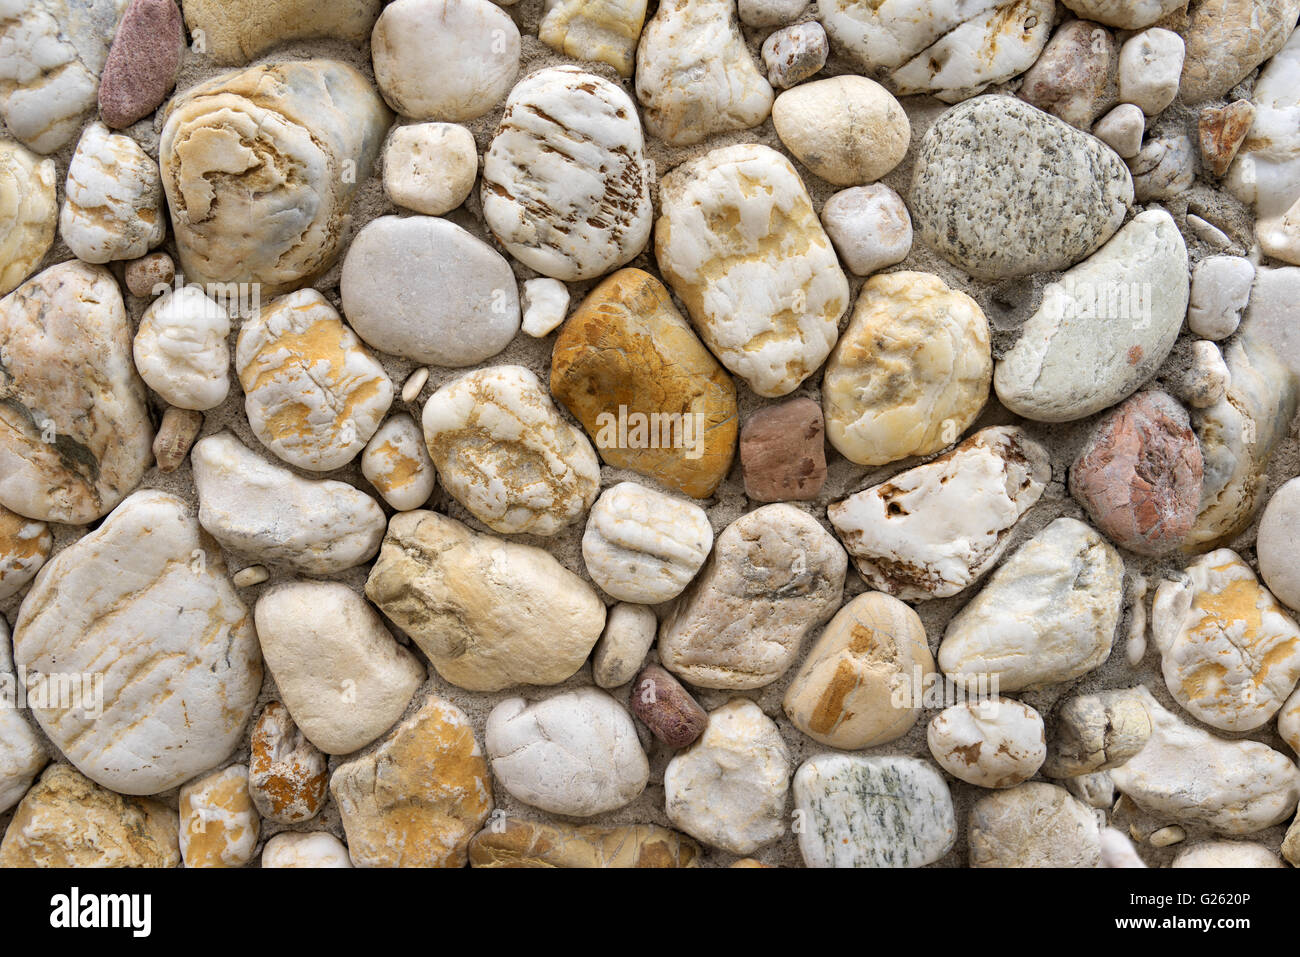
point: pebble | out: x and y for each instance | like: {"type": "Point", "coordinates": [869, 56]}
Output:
{"type": "Point", "coordinates": [65, 327]}
{"type": "Point", "coordinates": [219, 824]}
{"type": "Point", "coordinates": [180, 349]}
{"type": "Point", "coordinates": [872, 812]}
{"type": "Point", "coordinates": [1227, 39]}
{"type": "Point", "coordinates": [1164, 169]}
{"type": "Point", "coordinates": [28, 212]}
{"type": "Point", "coordinates": [415, 384]}
{"type": "Point", "coordinates": [312, 393]}
{"type": "Point", "coordinates": [606, 32]}
{"type": "Point", "coordinates": [775, 574]}
{"type": "Point", "coordinates": [312, 849]}
{"type": "Point", "coordinates": [1135, 642]}
{"type": "Point", "coordinates": [1033, 825]}
{"type": "Point", "coordinates": [417, 798]}
{"type": "Point", "coordinates": [1221, 131]}
{"type": "Point", "coordinates": [869, 227]}
{"type": "Point", "coordinates": [149, 275]}
{"type": "Point", "coordinates": [113, 204]}
{"type": "Point", "coordinates": [176, 434]}
{"type": "Point", "coordinates": [857, 686]}
{"type": "Point", "coordinates": [1220, 292]}
{"type": "Point", "coordinates": [1139, 475]}
{"type": "Point", "coordinates": [504, 452]}
{"type": "Point", "coordinates": [770, 13]}
{"type": "Point", "coordinates": [1230, 654]}
{"type": "Point", "coordinates": [1150, 67]}
{"type": "Point", "coordinates": [765, 294]}
{"type": "Point", "coordinates": [252, 575]}
{"type": "Point", "coordinates": [51, 55]}
{"type": "Point", "coordinates": [566, 187]}
{"type": "Point", "coordinates": [545, 304]}
{"type": "Point", "coordinates": [848, 130]}
{"type": "Point", "coordinates": [783, 452]}
{"type": "Point", "coordinates": [553, 844]}
{"type": "Point", "coordinates": [50, 827]}
{"type": "Point", "coordinates": [254, 166]}
{"type": "Point", "coordinates": [1047, 615]}
{"type": "Point", "coordinates": [996, 743]}
{"type": "Point", "coordinates": [1074, 78]}
{"type": "Point", "coordinates": [695, 77]}
{"type": "Point", "coordinates": [256, 508]}
{"type": "Point", "coordinates": [1122, 130]}
{"type": "Point", "coordinates": [1273, 312]}
{"type": "Point", "coordinates": [430, 167]}
{"type": "Point", "coordinates": [174, 691]}
{"type": "Point", "coordinates": [911, 372]}
{"type": "Point", "coordinates": [643, 546]}
{"type": "Point", "coordinates": [1094, 733]}
{"type": "Point", "coordinates": [1227, 854]}
{"type": "Point", "coordinates": [576, 753]}
{"type": "Point", "coordinates": [236, 31]}
{"type": "Point", "coordinates": [341, 674]}
{"type": "Point", "coordinates": [1001, 190]}
{"type": "Point", "coordinates": [21, 753]}
{"type": "Point", "coordinates": [1278, 542]}
{"type": "Point", "coordinates": [1104, 329]}
{"type": "Point", "coordinates": [488, 613]}
{"type": "Point", "coordinates": [422, 288]}
{"type": "Point", "coordinates": [933, 530]}
{"type": "Point", "coordinates": [396, 462]}
{"type": "Point", "coordinates": [1206, 381]}
{"type": "Point", "coordinates": [629, 633]}
{"type": "Point", "coordinates": [667, 708]}
{"type": "Point", "coordinates": [1167, 836]}
{"type": "Point", "coordinates": [728, 790]}
{"type": "Point", "coordinates": [1208, 233]}
{"type": "Point", "coordinates": [449, 60]}
{"type": "Point", "coordinates": [143, 62]}
{"type": "Point", "coordinates": [1188, 775]}
{"type": "Point", "coordinates": [24, 547]}
{"type": "Point", "coordinates": [625, 364]}
{"type": "Point", "coordinates": [794, 53]}
{"type": "Point", "coordinates": [287, 775]}
{"type": "Point", "coordinates": [1125, 14]}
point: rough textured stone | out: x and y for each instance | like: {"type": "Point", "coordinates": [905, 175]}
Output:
{"type": "Point", "coordinates": [430, 167]}
{"type": "Point", "coordinates": [1220, 292]}
{"type": "Point", "coordinates": [667, 708]}
{"type": "Point", "coordinates": [552, 844]}
{"type": "Point", "coordinates": [1164, 169]}
{"type": "Point", "coordinates": [1277, 544]}
{"type": "Point", "coordinates": [1221, 131]}
{"type": "Point", "coordinates": [996, 743]}
{"type": "Point", "coordinates": [21, 753]}
{"type": "Point", "coordinates": [113, 207]}
{"type": "Point", "coordinates": [287, 774]}
{"type": "Point", "coordinates": [180, 349]}
{"type": "Point", "coordinates": [143, 61]}
{"type": "Point", "coordinates": [24, 547]}
{"type": "Point", "coordinates": [149, 275]}
{"type": "Point", "coordinates": [641, 545]}
{"type": "Point", "coordinates": [847, 129]}
{"type": "Point", "coordinates": [629, 633]}
{"type": "Point", "coordinates": [1150, 64]}
{"type": "Point", "coordinates": [219, 824]}
{"type": "Point", "coordinates": [869, 226]}
{"type": "Point", "coordinates": [176, 434]}
{"type": "Point", "coordinates": [396, 462]}
{"type": "Point", "coordinates": [1096, 732]}
{"type": "Point", "coordinates": [1227, 39]}
{"type": "Point", "coordinates": [603, 30]}
{"type": "Point", "coordinates": [793, 54]}
{"type": "Point", "coordinates": [1075, 77]}
{"type": "Point", "coordinates": [1206, 381]}
{"type": "Point", "coordinates": [783, 452]}
{"type": "Point", "coordinates": [236, 31]}
{"type": "Point", "coordinates": [1033, 825]}
{"type": "Point", "coordinates": [28, 212]}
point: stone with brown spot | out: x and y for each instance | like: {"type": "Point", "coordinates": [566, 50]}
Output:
{"type": "Point", "coordinates": [219, 824]}
{"type": "Point", "coordinates": [992, 743]}
{"type": "Point", "coordinates": [287, 775]}
{"type": "Point", "coordinates": [1222, 130]}
{"type": "Point", "coordinates": [783, 452]}
{"type": "Point", "coordinates": [516, 843]}
{"type": "Point", "coordinates": [24, 547]}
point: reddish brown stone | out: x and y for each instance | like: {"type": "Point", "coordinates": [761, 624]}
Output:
{"type": "Point", "coordinates": [145, 276]}
{"type": "Point", "coordinates": [1075, 78]}
{"type": "Point", "coordinates": [1140, 475]}
{"type": "Point", "coordinates": [1223, 129]}
{"type": "Point", "coordinates": [783, 452]}
{"type": "Point", "coordinates": [142, 63]}
{"type": "Point", "coordinates": [667, 708]}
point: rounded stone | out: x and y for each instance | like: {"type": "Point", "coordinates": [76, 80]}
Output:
{"type": "Point", "coordinates": [994, 743]}
{"type": "Point", "coordinates": [396, 462]}
{"type": "Point", "coordinates": [667, 708]}
{"type": "Point", "coordinates": [1033, 825]}
{"type": "Point", "coordinates": [305, 849]}
{"type": "Point", "coordinates": [28, 212]}
{"type": "Point", "coordinates": [142, 63]}
{"type": "Point", "coordinates": [287, 774]}
{"type": "Point", "coordinates": [783, 452]}
{"type": "Point", "coordinates": [149, 275]}
{"type": "Point", "coordinates": [1227, 854]}
{"type": "Point", "coordinates": [629, 633]}
{"type": "Point", "coordinates": [24, 548]}
{"type": "Point", "coordinates": [847, 129]}
{"type": "Point", "coordinates": [430, 167]}
{"type": "Point", "coordinates": [219, 824]}
{"type": "Point", "coordinates": [1125, 14]}
{"type": "Point", "coordinates": [870, 227]}
{"type": "Point", "coordinates": [180, 349]}
{"type": "Point", "coordinates": [1074, 79]}
{"type": "Point", "coordinates": [1278, 543]}
{"type": "Point", "coordinates": [1220, 293]}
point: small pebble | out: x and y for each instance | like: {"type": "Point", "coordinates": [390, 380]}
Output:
{"type": "Point", "coordinates": [430, 167]}
{"type": "Point", "coordinates": [113, 199]}
{"type": "Point", "coordinates": [1207, 379]}
{"type": "Point", "coordinates": [1074, 77]}
{"type": "Point", "coordinates": [629, 633]}
{"type": "Point", "coordinates": [1150, 67]}
{"type": "Point", "coordinates": [1167, 836]}
{"type": "Point", "coordinates": [666, 708]}
{"type": "Point", "coordinates": [414, 384]}
{"type": "Point", "coordinates": [1222, 130]}
{"type": "Point", "coordinates": [287, 775]}
{"type": "Point", "coordinates": [219, 824]}
{"type": "Point", "coordinates": [1163, 169]}
{"type": "Point", "coordinates": [176, 434]}
{"type": "Point", "coordinates": [150, 275]}
{"type": "Point", "coordinates": [252, 575]}
{"type": "Point", "coordinates": [794, 53]}
{"type": "Point", "coordinates": [396, 462]}
{"type": "Point", "coordinates": [545, 303]}
{"type": "Point", "coordinates": [783, 452]}
{"type": "Point", "coordinates": [1122, 129]}
{"type": "Point", "coordinates": [1208, 233]}
{"type": "Point", "coordinates": [997, 743]}
{"type": "Point", "coordinates": [305, 849]}
{"type": "Point", "coordinates": [1093, 733]}
{"type": "Point", "coordinates": [180, 349]}
{"type": "Point", "coordinates": [848, 130]}
{"type": "Point", "coordinates": [1221, 288]}
{"type": "Point", "coordinates": [1135, 648]}
{"type": "Point", "coordinates": [870, 227]}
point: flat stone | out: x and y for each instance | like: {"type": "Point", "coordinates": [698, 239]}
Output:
{"type": "Point", "coordinates": [430, 167]}
{"type": "Point", "coordinates": [236, 31]}
{"type": "Point", "coordinates": [1075, 78]}
{"type": "Point", "coordinates": [1221, 288]}
{"type": "Point", "coordinates": [24, 548]}
{"type": "Point", "coordinates": [1033, 825]}
{"type": "Point", "coordinates": [667, 708]}
{"type": "Point", "coordinates": [847, 129]}
{"type": "Point", "coordinates": [488, 613]}
{"type": "Point", "coordinates": [552, 844]}
{"type": "Point", "coordinates": [872, 812]}
{"type": "Point", "coordinates": [602, 30]}
{"type": "Point", "coordinates": [311, 849]}
{"type": "Point", "coordinates": [629, 633]}
{"type": "Point", "coordinates": [180, 349]}
{"type": "Point", "coordinates": [794, 53]}
{"type": "Point", "coordinates": [21, 753]}
{"type": "Point", "coordinates": [783, 452]}
{"type": "Point", "coordinates": [1227, 39]}
{"type": "Point", "coordinates": [143, 62]}
{"type": "Point", "coordinates": [1221, 131]}
{"type": "Point", "coordinates": [396, 462]}
{"type": "Point", "coordinates": [1094, 733]}
{"type": "Point", "coordinates": [171, 693]}
{"type": "Point", "coordinates": [1150, 65]}
{"type": "Point", "coordinates": [995, 743]}
{"type": "Point", "coordinates": [1001, 190]}
{"type": "Point", "coordinates": [1276, 545]}
{"type": "Point", "coordinates": [869, 226]}
{"type": "Point", "coordinates": [219, 824]}
{"type": "Point", "coordinates": [28, 212]}
{"type": "Point", "coordinates": [287, 774]}
{"type": "Point", "coordinates": [1125, 14]}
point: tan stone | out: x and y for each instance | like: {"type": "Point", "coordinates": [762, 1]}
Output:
{"type": "Point", "coordinates": [1227, 39]}
{"type": "Point", "coordinates": [236, 31]}
{"type": "Point", "coordinates": [515, 843]}
{"type": "Point", "coordinates": [601, 30]}
{"type": "Point", "coordinates": [1095, 733]}
{"type": "Point", "coordinates": [27, 212]}
{"type": "Point", "coordinates": [219, 825]}
{"type": "Point", "coordinates": [24, 547]}
{"type": "Point", "coordinates": [287, 775]}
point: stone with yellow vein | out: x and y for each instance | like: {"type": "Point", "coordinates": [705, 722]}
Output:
{"type": "Point", "coordinates": [396, 462]}
{"type": "Point", "coordinates": [601, 30]}
{"type": "Point", "coordinates": [219, 824]}
{"type": "Point", "coordinates": [113, 203]}
{"type": "Point", "coordinates": [28, 211]}
{"type": "Point", "coordinates": [516, 843]}
{"type": "Point", "coordinates": [24, 547]}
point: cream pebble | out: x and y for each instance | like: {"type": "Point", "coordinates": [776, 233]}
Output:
{"type": "Point", "coordinates": [430, 167]}
{"type": "Point", "coordinates": [113, 208]}
{"type": "Point", "coordinates": [545, 304]}
{"type": "Point", "coordinates": [629, 633]}
{"type": "Point", "coordinates": [847, 129]}
{"type": "Point", "coordinates": [415, 384]}
{"type": "Point", "coordinates": [1150, 67]}
{"type": "Point", "coordinates": [305, 849]}
{"type": "Point", "coordinates": [870, 227]}
{"type": "Point", "coordinates": [28, 212]}
{"type": "Point", "coordinates": [180, 349]}
{"type": "Point", "coordinates": [1220, 292]}
{"type": "Point", "coordinates": [1122, 129]}
{"type": "Point", "coordinates": [997, 743]}
{"type": "Point", "coordinates": [396, 462]}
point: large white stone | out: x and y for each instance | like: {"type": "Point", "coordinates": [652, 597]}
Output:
{"type": "Point", "coordinates": [1278, 543]}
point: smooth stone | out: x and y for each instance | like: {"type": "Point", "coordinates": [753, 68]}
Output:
{"type": "Point", "coordinates": [69, 452]}
{"type": "Point", "coordinates": [1139, 475]}
{"type": "Point", "coordinates": [22, 756]}
{"type": "Point", "coordinates": [647, 391]}
{"type": "Point", "coordinates": [643, 546]}
{"type": "Point", "coordinates": [1274, 313]}
{"type": "Point", "coordinates": [311, 849]}
{"type": "Point", "coordinates": [566, 186]}
{"type": "Point", "coordinates": [770, 13]}
{"type": "Point", "coordinates": [176, 434]}
{"type": "Point", "coordinates": [667, 708]}
{"type": "Point", "coordinates": [854, 689]}
{"type": "Point", "coordinates": [143, 62]}
{"type": "Point", "coordinates": [1094, 733]}
{"type": "Point", "coordinates": [935, 529]}
{"type": "Point", "coordinates": [417, 798]}
{"type": "Point", "coordinates": [1227, 854]}
{"type": "Point", "coordinates": [997, 743]}
{"type": "Point", "coordinates": [341, 674]}
{"type": "Point", "coordinates": [794, 53]}
{"type": "Point", "coordinates": [256, 508]}
{"type": "Point", "coordinates": [149, 275]}
{"type": "Point", "coordinates": [1047, 615]}
{"type": "Point", "coordinates": [504, 452]}
{"type": "Point", "coordinates": [1150, 66]}
{"type": "Point", "coordinates": [450, 60]}
{"type": "Point", "coordinates": [422, 288]}
{"type": "Point", "coordinates": [774, 575]}
{"type": "Point", "coordinates": [1125, 14]}
{"type": "Point", "coordinates": [54, 824]}
{"type": "Point", "coordinates": [783, 452]}
{"type": "Point", "coordinates": [1163, 170]}
{"type": "Point", "coordinates": [1278, 542]}
{"type": "Point", "coordinates": [576, 753]}
{"type": "Point", "coordinates": [848, 130]}
{"type": "Point", "coordinates": [113, 207]}
{"type": "Point", "coordinates": [728, 789]}
{"type": "Point", "coordinates": [24, 548]}
{"type": "Point", "coordinates": [430, 167]}
{"type": "Point", "coordinates": [219, 824]}
{"type": "Point", "coordinates": [28, 212]}
{"type": "Point", "coordinates": [545, 303]}
{"type": "Point", "coordinates": [177, 689]}
{"type": "Point", "coordinates": [260, 169]}
{"type": "Point", "coordinates": [1221, 288]}
{"type": "Point", "coordinates": [1033, 825]}
{"type": "Point", "coordinates": [1220, 133]}
{"type": "Point", "coordinates": [869, 226]}
{"type": "Point", "coordinates": [629, 633]}
{"type": "Point", "coordinates": [396, 462]}
{"type": "Point", "coordinates": [695, 77]}
{"type": "Point", "coordinates": [180, 349]}
{"type": "Point", "coordinates": [1227, 39]}
{"type": "Point", "coordinates": [1001, 190]}
{"type": "Point", "coordinates": [552, 844]}
{"type": "Point", "coordinates": [605, 31]}
{"type": "Point", "coordinates": [872, 812]}
{"type": "Point", "coordinates": [287, 774]}
{"type": "Point", "coordinates": [488, 613]}
{"type": "Point", "coordinates": [1122, 129]}
{"type": "Point", "coordinates": [911, 372]}
{"type": "Point", "coordinates": [766, 293]}
{"type": "Point", "coordinates": [1075, 78]}
{"type": "Point", "coordinates": [1288, 722]}
{"type": "Point", "coordinates": [236, 31]}
{"type": "Point", "coordinates": [1104, 329]}
{"type": "Point", "coordinates": [1206, 380]}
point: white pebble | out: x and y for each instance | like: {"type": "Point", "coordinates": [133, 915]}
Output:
{"type": "Point", "coordinates": [1121, 129]}
{"type": "Point", "coordinates": [795, 53]}
{"type": "Point", "coordinates": [770, 13]}
{"type": "Point", "coordinates": [629, 633]}
{"type": "Point", "coordinates": [1208, 378]}
{"type": "Point", "coordinates": [1150, 68]}
{"type": "Point", "coordinates": [1220, 292]}
{"type": "Point", "coordinates": [180, 349]}
{"type": "Point", "coordinates": [869, 227]}
{"type": "Point", "coordinates": [414, 384]}
{"type": "Point", "coordinates": [430, 167]}
{"type": "Point", "coordinates": [252, 575]}
{"type": "Point", "coordinates": [545, 302]}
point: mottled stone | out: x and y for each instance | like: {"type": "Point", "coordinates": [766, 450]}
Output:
{"type": "Point", "coordinates": [1221, 131]}
{"type": "Point", "coordinates": [149, 275]}
{"type": "Point", "coordinates": [1094, 733]}
{"type": "Point", "coordinates": [1227, 39]}
{"type": "Point", "coordinates": [24, 547]}
{"type": "Point", "coordinates": [994, 743]}
{"type": "Point", "coordinates": [869, 226]}
{"type": "Point", "coordinates": [396, 462]}
{"type": "Point", "coordinates": [113, 207]}
{"type": "Point", "coordinates": [430, 167]}
{"type": "Point", "coordinates": [236, 31]}
{"type": "Point", "coordinates": [769, 13]}
{"type": "Point", "coordinates": [180, 349]}
{"type": "Point", "coordinates": [1164, 169]}
{"type": "Point", "coordinates": [1206, 380]}
{"type": "Point", "coordinates": [21, 753]}
{"type": "Point", "coordinates": [794, 53]}
{"type": "Point", "coordinates": [287, 774]}
{"type": "Point", "coordinates": [629, 633]}
{"type": "Point", "coordinates": [219, 824]}
{"type": "Point", "coordinates": [310, 849]}
{"type": "Point", "coordinates": [28, 212]}
{"type": "Point", "coordinates": [143, 61]}
{"type": "Point", "coordinates": [1075, 77]}
{"type": "Point", "coordinates": [176, 434]}
{"type": "Point", "coordinates": [1033, 825]}
{"type": "Point", "coordinates": [602, 30]}
{"type": "Point", "coordinates": [846, 129]}
{"type": "Point", "coordinates": [783, 452]}
{"type": "Point", "coordinates": [1227, 854]}
{"type": "Point", "coordinates": [516, 843]}
{"type": "Point", "coordinates": [667, 708]}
